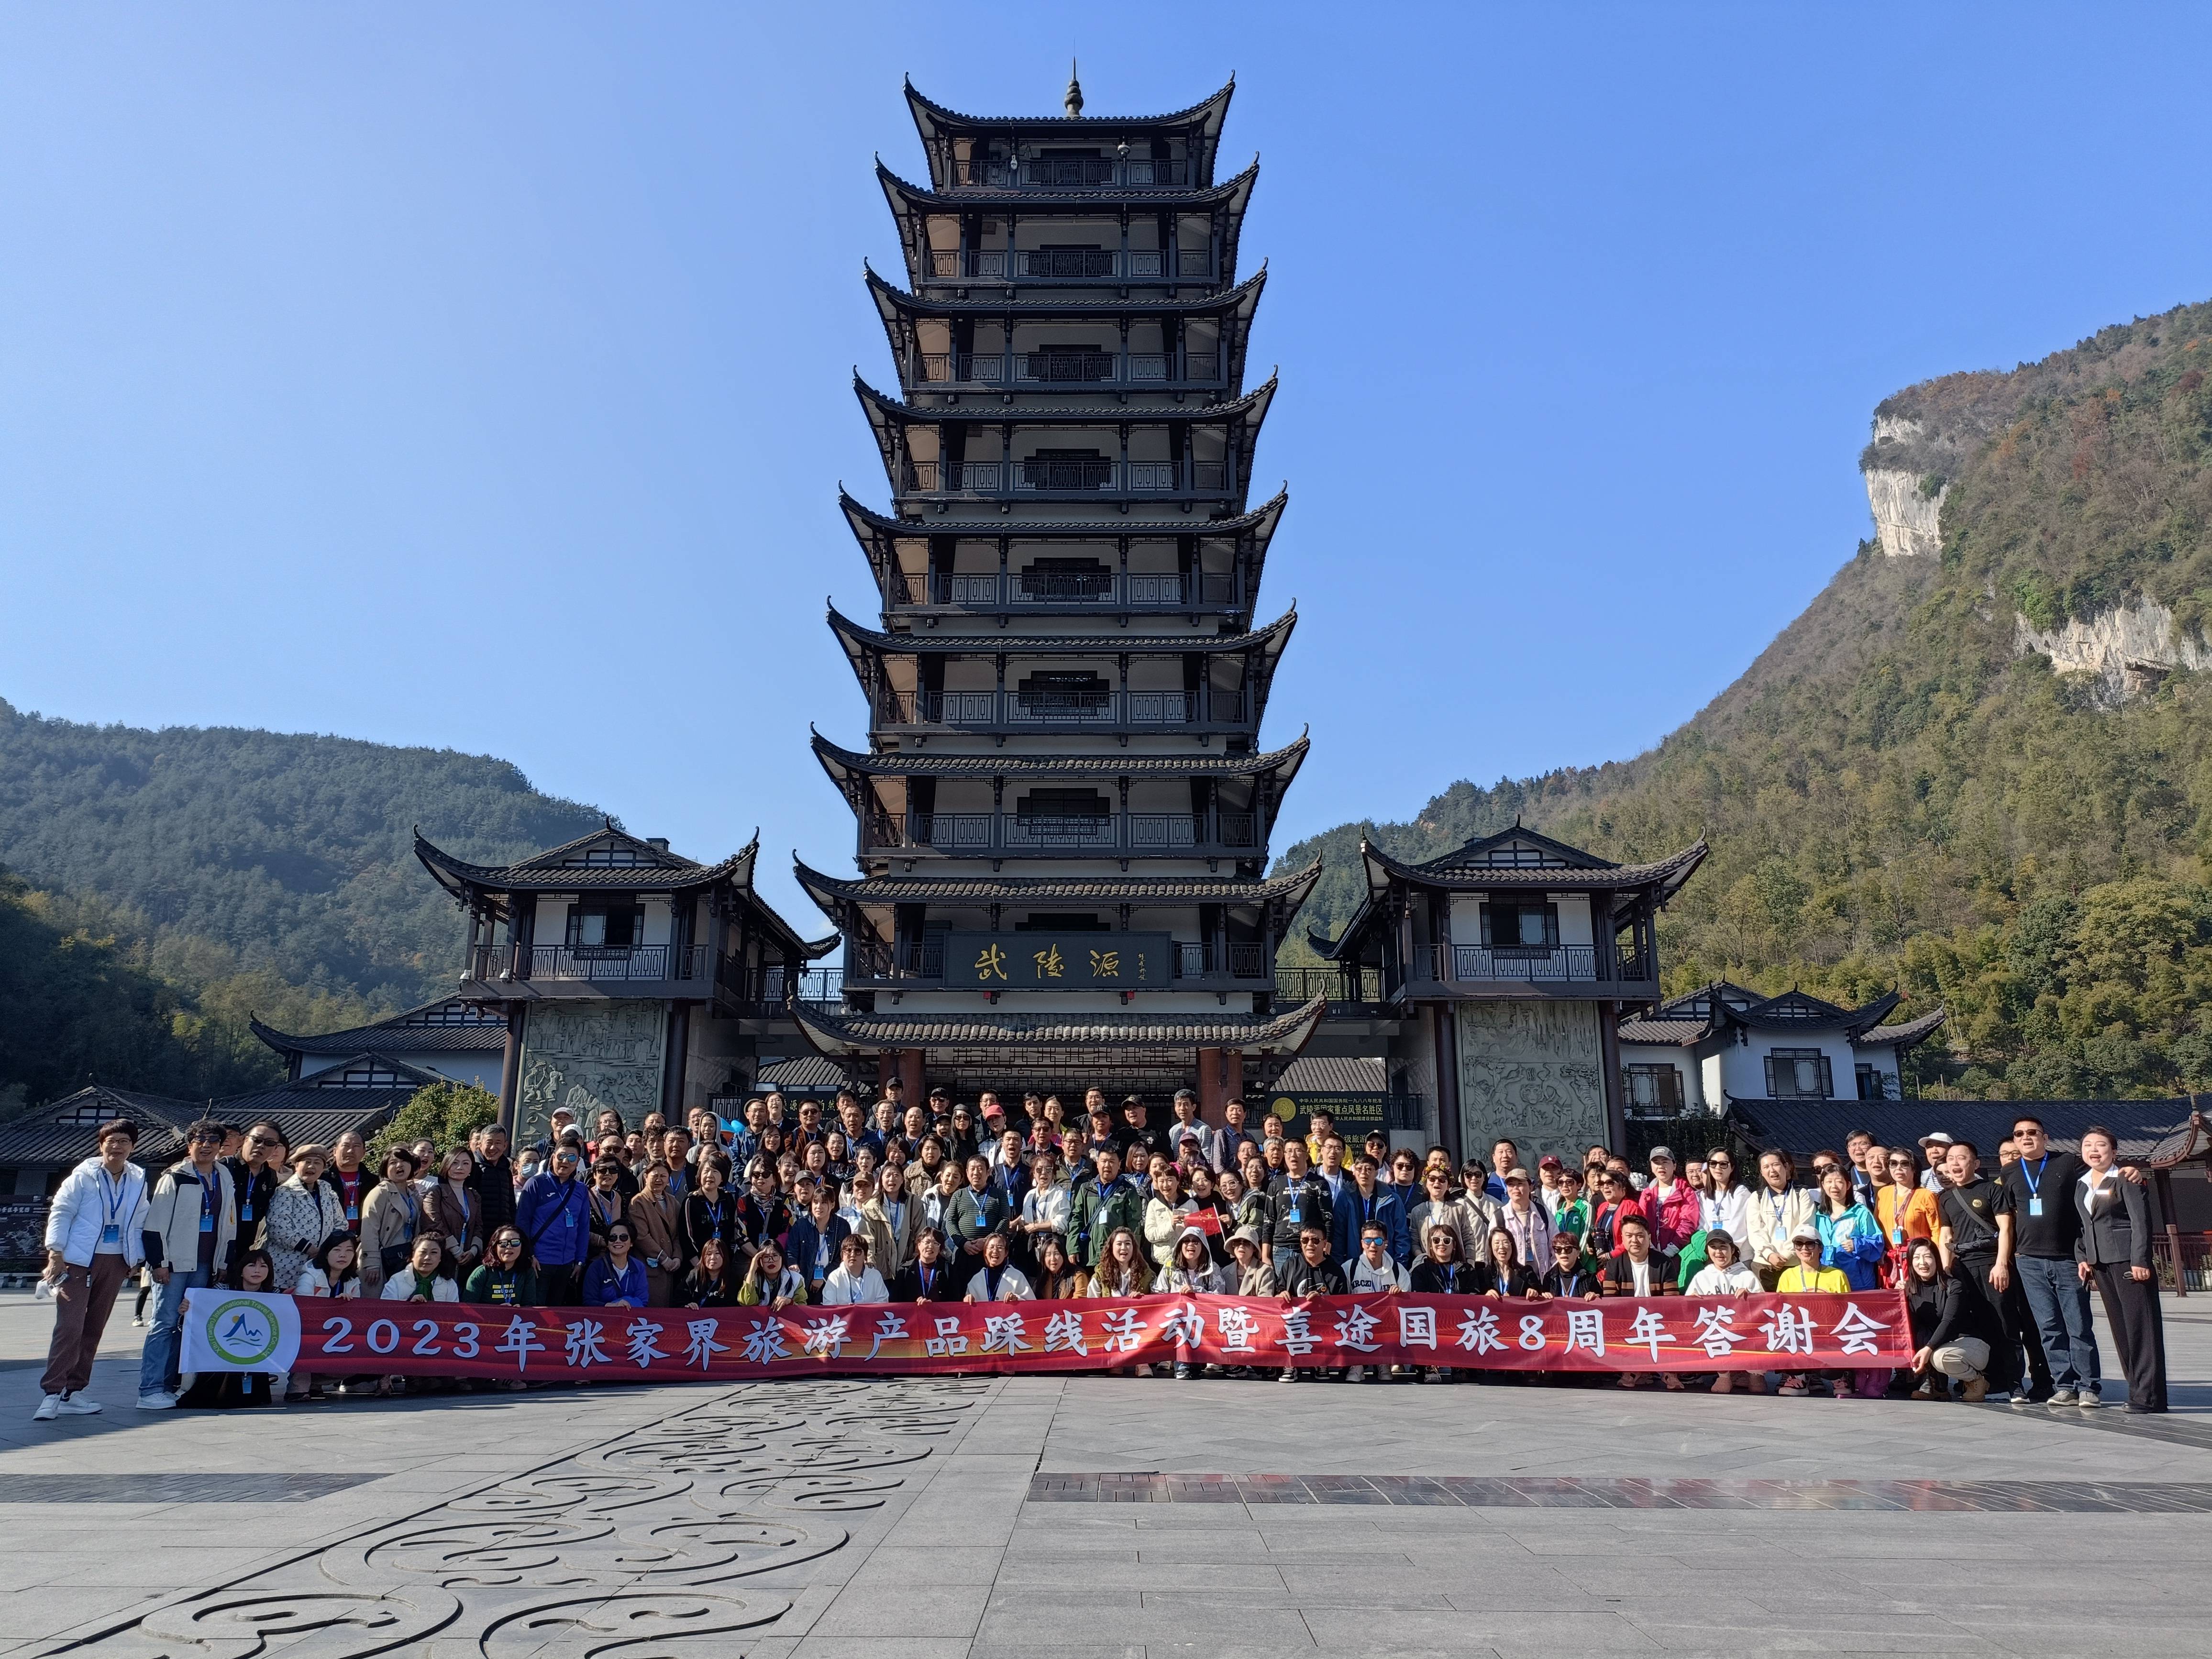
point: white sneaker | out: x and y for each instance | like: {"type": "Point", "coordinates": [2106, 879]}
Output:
{"type": "Point", "coordinates": [157, 1402]}
{"type": "Point", "coordinates": [76, 1405]}
{"type": "Point", "coordinates": [49, 1408]}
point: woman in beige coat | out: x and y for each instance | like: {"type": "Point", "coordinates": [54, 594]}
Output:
{"type": "Point", "coordinates": [654, 1215]}
{"type": "Point", "coordinates": [390, 1218]}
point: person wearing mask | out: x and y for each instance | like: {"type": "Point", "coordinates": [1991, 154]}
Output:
{"type": "Point", "coordinates": [186, 1235]}
{"type": "Point", "coordinates": [554, 1215]}
{"type": "Point", "coordinates": [350, 1178]}
{"type": "Point", "coordinates": [1101, 1206]}
{"type": "Point", "coordinates": [1296, 1198]}
{"type": "Point", "coordinates": [2039, 1231]}
{"type": "Point", "coordinates": [94, 1236]}
{"type": "Point", "coordinates": [1778, 1210]}
{"type": "Point", "coordinates": [389, 1222]}
{"type": "Point", "coordinates": [1365, 1199]}
{"type": "Point", "coordinates": [1311, 1272]}
{"type": "Point", "coordinates": [1953, 1332]}
{"type": "Point", "coordinates": [615, 1278]}
{"type": "Point", "coordinates": [505, 1278]}
{"type": "Point", "coordinates": [2114, 1250]}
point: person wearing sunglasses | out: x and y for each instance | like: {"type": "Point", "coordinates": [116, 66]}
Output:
{"type": "Point", "coordinates": [616, 1278]}
{"type": "Point", "coordinates": [505, 1279]}
{"type": "Point", "coordinates": [191, 1223]}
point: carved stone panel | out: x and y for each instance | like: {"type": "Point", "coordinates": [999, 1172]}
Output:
{"type": "Point", "coordinates": [589, 1057]}
{"type": "Point", "coordinates": [1531, 1071]}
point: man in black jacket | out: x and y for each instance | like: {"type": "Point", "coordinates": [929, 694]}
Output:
{"type": "Point", "coordinates": [1311, 1272]}
{"type": "Point", "coordinates": [493, 1182]}
{"type": "Point", "coordinates": [1296, 1198]}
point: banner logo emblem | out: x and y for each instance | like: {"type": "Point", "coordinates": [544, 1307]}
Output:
{"type": "Point", "coordinates": [242, 1331]}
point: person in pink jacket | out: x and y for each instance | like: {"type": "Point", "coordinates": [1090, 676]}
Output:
{"type": "Point", "coordinates": [1672, 1204]}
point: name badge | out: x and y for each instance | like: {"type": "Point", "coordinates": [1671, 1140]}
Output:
{"type": "Point", "coordinates": [2035, 1206]}
{"type": "Point", "coordinates": [111, 1234]}
{"type": "Point", "coordinates": [353, 1212]}
{"type": "Point", "coordinates": [1295, 1216]}
{"type": "Point", "coordinates": [246, 1212]}
{"type": "Point", "coordinates": [207, 1222]}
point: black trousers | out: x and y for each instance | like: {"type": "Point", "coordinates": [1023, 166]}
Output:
{"type": "Point", "coordinates": [2015, 1320]}
{"type": "Point", "coordinates": [2131, 1310]}
{"type": "Point", "coordinates": [561, 1287]}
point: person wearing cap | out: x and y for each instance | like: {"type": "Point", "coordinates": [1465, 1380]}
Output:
{"type": "Point", "coordinates": [1528, 1222]}
{"type": "Point", "coordinates": [1806, 1276]}
{"type": "Point", "coordinates": [1671, 1204]}
{"type": "Point", "coordinates": [1547, 1183]}
{"type": "Point", "coordinates": [1935, 1149]}
{"type": "Point", "coordinates": [1252, 1274]}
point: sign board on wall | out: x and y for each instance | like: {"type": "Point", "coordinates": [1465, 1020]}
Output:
{"type": "Point", "coordinates": [1050, 960]}
{"type": "Point", "coordinates": [1356, 1112]}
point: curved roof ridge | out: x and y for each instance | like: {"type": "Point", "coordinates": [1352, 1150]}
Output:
{"type": "Point", "coordinates": [1105, 415]}
{"type": "Point", "coordinates": [1021, 644]}
{"type": "Point", "coordinates": [918, 98]}
{"type": "Point", "coordinates": [1274, 506]}
{"type": "Point", "coordinates": [1226, 299]}
{"type": "Point", "coordinates": [937, 199]}
{"type": "Point", "coordinates": [898, 762]}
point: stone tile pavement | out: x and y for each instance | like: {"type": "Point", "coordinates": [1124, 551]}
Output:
{"type": "Point", "coordinates": [895, 1521]}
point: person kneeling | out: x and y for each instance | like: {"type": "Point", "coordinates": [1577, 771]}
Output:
{"type": "Point", "coordinates": [1953, 1329]}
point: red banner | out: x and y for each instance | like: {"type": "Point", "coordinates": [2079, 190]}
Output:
{"type": "Point", "coordinates": [584, 1345]}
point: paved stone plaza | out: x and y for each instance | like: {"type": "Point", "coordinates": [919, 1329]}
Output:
{"type": "Point", "coordinates": [970, 1517]}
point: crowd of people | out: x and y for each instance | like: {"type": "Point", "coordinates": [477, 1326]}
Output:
{"type": "Point", "coordinates": [939, 1201]}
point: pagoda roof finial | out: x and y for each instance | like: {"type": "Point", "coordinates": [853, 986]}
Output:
{"type": "Point", "coordinates": [1074, 100]}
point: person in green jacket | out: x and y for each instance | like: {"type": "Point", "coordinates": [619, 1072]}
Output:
{"type": "Point", "coordinates": [505, 1279]}
{"type": "Point", "coordinates": [1101, 1205]}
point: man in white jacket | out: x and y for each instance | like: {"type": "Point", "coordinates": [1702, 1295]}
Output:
{"type": "Point", "coordinates": [91, 1244]}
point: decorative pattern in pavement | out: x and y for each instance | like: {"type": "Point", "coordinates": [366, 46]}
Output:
{"type": "Point", "coordinates": [644, 1547]}
{"type": "Point", "coordinates": [1562, 1492]}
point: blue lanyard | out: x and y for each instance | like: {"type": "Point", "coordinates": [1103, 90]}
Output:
{"type": "Point", "coordinates": [115, 1207]}
{"type": "Point", "coordinates": [2035, 1181]}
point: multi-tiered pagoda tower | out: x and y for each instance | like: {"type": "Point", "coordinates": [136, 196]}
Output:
{"type": "Point", "coordinates": [1063, 805]}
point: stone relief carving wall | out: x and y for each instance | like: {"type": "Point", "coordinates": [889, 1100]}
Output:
{"type": "Point", "coordinates": [1531, 1071]}
{"type": "Point", "coordinates": [589, 1057]}
{"type": "Point", "coordinates": [649, 1547]}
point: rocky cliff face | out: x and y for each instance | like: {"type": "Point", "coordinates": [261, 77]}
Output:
{"type": "Point", "coordinates": [1905, 513]}
{"type": "Point", "coordinates": [2129, 649]}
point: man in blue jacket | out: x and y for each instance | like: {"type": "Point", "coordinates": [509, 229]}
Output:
{"type": "Point", "coordinates": [1366, 1199]}
{"type": "Point", "coordinates": [553, 1217]}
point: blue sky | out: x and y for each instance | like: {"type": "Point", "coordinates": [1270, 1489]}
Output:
{"type": "Point", "coordinates": [478, 376]}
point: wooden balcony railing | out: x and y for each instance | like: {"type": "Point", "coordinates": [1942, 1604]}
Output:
{"type": "Point", "coordinates": [1103, 710]}
{"type": "Point", "coordinates": [1067, 368]}
{"type": "Point", "coordinates": [1056, 476]}
{"type": "Point", "coordinates": [1062, 265]}
{"type": "Point", "coordinates": [598, 963]}
{"type": "Point", "coordinates": [984, 834]}
{"type": "Point", "coordinates": [1072, 173]}
{"type": "Point", "coordinates": [1055, 589]}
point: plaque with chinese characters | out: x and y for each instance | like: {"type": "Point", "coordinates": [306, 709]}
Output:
{"type": "Point", "coordinates": [1057, 961]}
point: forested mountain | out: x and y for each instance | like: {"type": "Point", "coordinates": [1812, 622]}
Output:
{"type": "Point", "coordinates": [1906, 787]}
{"type": "Point", "coordinates": [167, 884]}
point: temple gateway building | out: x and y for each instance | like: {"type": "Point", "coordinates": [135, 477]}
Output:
{"type": "Point", "coordinates": [1063, 808]}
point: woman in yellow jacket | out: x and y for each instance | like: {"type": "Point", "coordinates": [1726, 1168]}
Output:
{"type": "Point", "coordinates": [1806, 1275]}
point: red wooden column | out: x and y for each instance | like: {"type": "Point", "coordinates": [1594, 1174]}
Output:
{"type": "Point", "coordinates": [906, 1065]}
{"type": "Point", "coordinates": [1220, 1080]}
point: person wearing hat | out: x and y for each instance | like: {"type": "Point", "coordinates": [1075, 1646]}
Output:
{"type": "Point", "coordinates": [1255, 1274]}
{"type": "Point", "coordinates": [1806, 1276]}
{"type": "Point", "coordinates": [1935, 1150]}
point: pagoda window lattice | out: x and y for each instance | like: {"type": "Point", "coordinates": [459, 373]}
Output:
{"type": "Point", "coordinates": [619, 927]}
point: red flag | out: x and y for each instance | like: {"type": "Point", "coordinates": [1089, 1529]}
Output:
{"type": "Point", "coordinates": [1206, 1221]}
